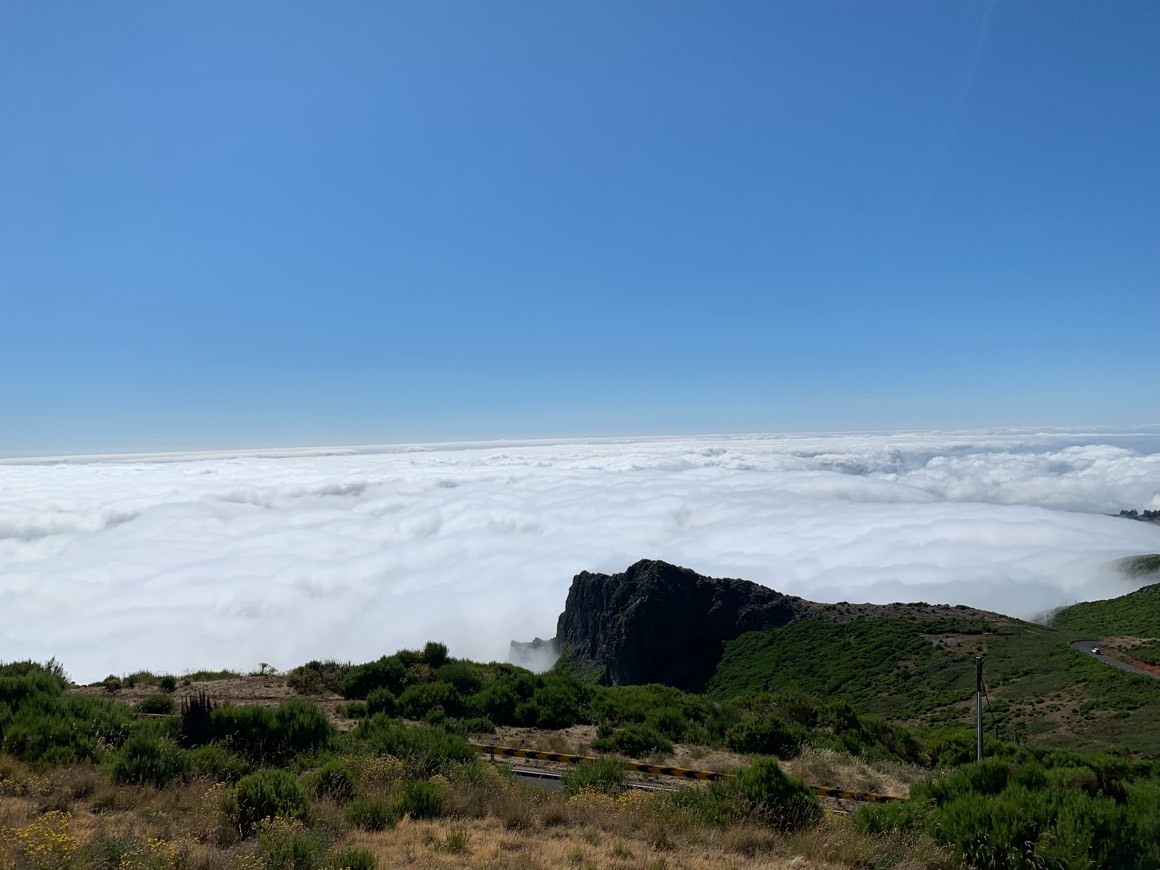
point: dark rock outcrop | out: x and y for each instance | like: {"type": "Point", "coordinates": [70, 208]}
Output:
{"type": "Point", "coordinates": [658, 623]}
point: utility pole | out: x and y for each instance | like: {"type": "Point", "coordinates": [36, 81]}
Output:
{"type": "Point", "coordinates": [979, 700]}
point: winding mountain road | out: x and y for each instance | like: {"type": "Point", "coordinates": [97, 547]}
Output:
{"type": "Point", "coordinates": [1086, 646]}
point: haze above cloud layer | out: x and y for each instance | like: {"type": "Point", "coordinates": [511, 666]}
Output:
{"type": "Point", "coordinates": [180, 562]}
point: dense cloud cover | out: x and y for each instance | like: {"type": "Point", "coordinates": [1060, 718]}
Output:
{"type": "Point", "coordinates": [185, 561]}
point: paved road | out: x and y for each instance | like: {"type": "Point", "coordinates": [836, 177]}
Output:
{"type": "Point", "coordinates": [1086, 646]}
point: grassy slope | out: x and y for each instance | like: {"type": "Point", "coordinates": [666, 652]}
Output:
{"type": "Point", "coordinates": [1136, 614]}
{"type": "Point", "coordinates": [924, 672]}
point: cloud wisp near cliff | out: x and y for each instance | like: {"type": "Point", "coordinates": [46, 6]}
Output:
{"type": "Point", "coordinates": [178, 562]}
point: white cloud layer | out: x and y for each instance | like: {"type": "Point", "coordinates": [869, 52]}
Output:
{"type": "Point", "coordinates": [185, 561]}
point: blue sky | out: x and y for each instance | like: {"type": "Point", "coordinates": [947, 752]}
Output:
{"type": "Point", "coordinates": [288, 223]}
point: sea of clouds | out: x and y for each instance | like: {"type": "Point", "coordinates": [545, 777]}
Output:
{"type": "Point", "coordinates": [176, 562]}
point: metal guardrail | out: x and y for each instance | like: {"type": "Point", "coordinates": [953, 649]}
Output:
{"type": "Point", "coordinates": [679, 772]}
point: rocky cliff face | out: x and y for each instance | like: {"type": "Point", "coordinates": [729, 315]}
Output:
{"type": "Point", "coordinates": [658, 623]}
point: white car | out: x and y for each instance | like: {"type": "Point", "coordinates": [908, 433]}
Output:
{"type": "Point", "coordinates": [1096, 650]}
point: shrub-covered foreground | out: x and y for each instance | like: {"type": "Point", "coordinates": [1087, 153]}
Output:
{"type": "Point", "coordinates": [87, 782]}
{"type": "Point", "coordinates": [220, 786]}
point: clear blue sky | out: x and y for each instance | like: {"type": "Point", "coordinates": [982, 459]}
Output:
{"type": "Point", "coordinates": [283, 223]}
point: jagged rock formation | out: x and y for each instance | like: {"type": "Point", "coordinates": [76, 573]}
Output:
{"type": "Point", "coordinates": [658, 623]}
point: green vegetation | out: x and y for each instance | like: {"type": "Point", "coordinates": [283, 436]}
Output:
{"type": "Point", "coordinates": [879, 665]}
{"type": "Point", "coordinates": [604, 775]}
{"type": "Point", "coordinates": [1136, 614]}
{"type": "Point", "coordinates": [267, 794]}
{"type": "Point", "coordinates": [1039, 689]}
{"type": "Point", "coordinates": [289, 786]}
{"type": "Point", "coordinates": [1057, 812]}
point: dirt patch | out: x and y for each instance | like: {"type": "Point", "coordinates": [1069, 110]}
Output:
{"type": "Point", "coordinates": [263, 690]}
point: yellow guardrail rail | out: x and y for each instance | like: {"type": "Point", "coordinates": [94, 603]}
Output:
{"type": "Point", "coordinates": [679, 772]}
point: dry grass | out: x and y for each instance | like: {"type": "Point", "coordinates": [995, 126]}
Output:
{"type": "Point", "coordinates": [488, 821]}
{"type": "Point", "coordinates": [490, 844]}
{"type": "Point", "coordinates": [838, 770]}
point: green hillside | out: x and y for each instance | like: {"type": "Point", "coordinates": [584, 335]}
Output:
{"type": "Point", "coordinates": [923, 672]}
{"type": "Point", "coordinates": [1134, 615]}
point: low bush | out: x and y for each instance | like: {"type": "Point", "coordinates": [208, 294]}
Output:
{"type": "Point", "coordinates": [380, 701]}
{"type": "Point", "coordinates": [389, 673]}
{"type": "Point", "coordinates": [276, 736]}
{"type": "Point", "coordinates": [333, 780]}
{"type": "Point", "coordinates": [317, 678]}
{"type": "Point", "coordinates": [266, 794]}
{"type": "Point", "coordinates": [372, 814]}
{"type": "Point", "coordinates": [158, 705]}
{"type": "Point", "coordinates": [435, 654]}
{"type": "Point", "coordinates": [767, 735]}
{"type": "Point", "coordinates": [719, 804]}
{"type": "Point", "coordinates": [997, 814]}
{"type": "Point", "coordinates": [464, 678]}
{"type": "Point", "coordinates": [421, 800]}
{"type": "Point", "coordinates": [417, 700]}
{"type": "Point", "coordinates": [424, 750]}
{"type": "Point", "coordinates": [604, 775]}
{"type": "Point", "coordinates": [147, 759]}
{"type": "Point", "coordinates": [352, 859]}
{"type": "Point", "coordinates": [559, 702]}
{"type": "Point", "coordinates": [637, 740]}
{"type": "Point", "coordinates": [40, 723]}
{"type": "Point", "coordinates": [283, 844]}
{"type": "Point", "coordinates": [216, 763]}
{"type": "Point", "coordinates": [778, 799]}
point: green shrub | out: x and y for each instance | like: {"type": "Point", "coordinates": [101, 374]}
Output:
{"type": "Point", "coordinates": [504, 700]}
{"type": "Point", "coordinates": [216, 763]}
{"type": "Point", "coordinates": [767, 735]}
{"type": "Point", "coordinates": [464, 678]}
{"type": "Point", "coordinates": [104, 852]}
{"type": "Point", "coordinates": [381, 701]}
{"type": "Point", "coordinates": [317, 678]}
{"type": "Point", "coordinates": [1000, 815]}
{"type": "Point", "coordinates": [156, 705]}
{"type": "Point", "coordinates": [435, 654]}
{"type": "Point", "coordinates": [372, 814]}
{"type": "Point", "coordinates": [559, 702]}
{"type": "Point", "coordinates": [40, 723]}
{"type": "Point", "coordinates": [601, 774]}
{"type": "Point", "coordinates": [636, 740]}
{"type": "Point", "coordinates": [389, 673]}
{"type": "Point", "coordinates": [290, 846]}
{"type": "Point", "coordinates": [357, 709]}
{"type": "Point", "coordinates": [778, 799]}
{"type": "Point", "coordinates": [143, 678]}
{"type": "Point", "coordinates": [423, 749]}
{"type": "Point", "coordinates": [266, 736]}
{"type": "Point", "coordinates": [421, 800]}
{"type": "Point", "coordinates": [168, 683]}
{"type": "Point", "coordinates": [417, 700]}
{"type": "Point", "coordinates": [333, 780]}
{"type": "Point", "coordinates": [720, 804]}
{"type": "Point", "coordinates": [266, 794]}
{"type": "Point", "coordinates": [352, 859]}
{"type": "Point", "coordinates": [147, 759]}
